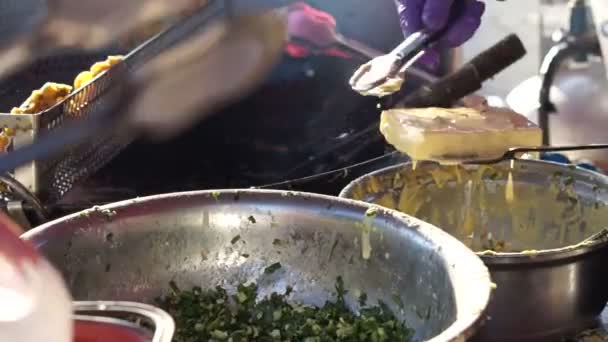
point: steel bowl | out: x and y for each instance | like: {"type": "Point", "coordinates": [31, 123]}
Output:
{"type": "Point", "coordinates": [549, 284]}
{"type": "Point", "coordinates": [131, 250]}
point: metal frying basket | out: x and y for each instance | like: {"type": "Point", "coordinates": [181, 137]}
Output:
{"type": "Point", "coordinates": [51, 179]}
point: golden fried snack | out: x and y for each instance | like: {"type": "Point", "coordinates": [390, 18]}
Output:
{"type": "Point", "coordinates": [44, 98]}
{"type": "Point", "coordinates": [52, 93]}
{"type": "Point", "coordinates": [97, 68]}
{"type": "Point", "coordinates": [82, 78]}
{"type": "Point", "coordinates": [451, 135]}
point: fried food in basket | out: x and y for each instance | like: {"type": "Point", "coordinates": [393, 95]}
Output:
{"type": "Point", "coordinates": [97, 68]}
{"type": "Point", "coordinates": [44, 98]}
{"type": "Point", "coordinates": [50, 94]}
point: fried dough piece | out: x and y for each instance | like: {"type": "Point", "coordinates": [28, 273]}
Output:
{"type": "Point", "coordinates": [452, 135]}
{"type": "Point", "coordinates": [97, 68]}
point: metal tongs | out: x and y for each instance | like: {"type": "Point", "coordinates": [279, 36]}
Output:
{"type": "Point", "coordinates": [384, 75]}
{"type": "Point", "coordinates": [305, 32]}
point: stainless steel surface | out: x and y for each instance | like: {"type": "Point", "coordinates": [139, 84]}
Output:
{"type": "Point", "coordinates": [94, 311]}
{"type": "Point", "coordinates": [131, 250]}
{"type": "Point", "coordinates": [560, 288]}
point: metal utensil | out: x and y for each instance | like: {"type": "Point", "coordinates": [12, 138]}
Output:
{"type": "Point", "coordinates": [305, 32]}
{"type": "Point", "coordinates": [599, 236]}
{"type": "Point", "coordinates": [377, 77]}
{"type": "Point", "coordinates": [556, 288]}
{"type": "Point", "coordinates": [513, 153]}
{"type": "Point", "coordinates": [132, 250]}
{"type": "Point", "coordinates": [369, 52]}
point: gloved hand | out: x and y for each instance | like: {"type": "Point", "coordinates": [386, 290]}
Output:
{"type": "Point", "coordinates": [415, 15]}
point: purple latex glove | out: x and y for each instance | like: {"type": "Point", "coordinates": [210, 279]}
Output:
{"type": "Point", "coordinates": [415, 15]}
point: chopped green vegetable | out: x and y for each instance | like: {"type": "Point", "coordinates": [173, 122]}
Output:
{"type": "Point", "coordinates": [371, 212]}
{"type": "Point", "coordinates": [235, 239]}
{"type": "Point", "coordinates": [363, 299]}
{"type": "Point", "coordinates": [333, 248]}
{"type": "Point", "coordinates": [251, 219]}
{"type": "Point", "coordinates": [273, 268]}
{"type": "Point", "coordinates": [398, 301]}
{"type": "Point", "coordinates": [215, 315]}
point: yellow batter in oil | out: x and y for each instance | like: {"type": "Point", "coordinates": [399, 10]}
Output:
{"type": "Point", "coordinates": [488, 209]}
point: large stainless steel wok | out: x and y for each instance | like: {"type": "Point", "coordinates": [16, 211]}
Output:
{"type": "Point", "coordinates": [131, 250]}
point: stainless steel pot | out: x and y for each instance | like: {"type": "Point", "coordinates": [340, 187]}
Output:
{"type": "Point", "coordinates": [558, 286]}
{"type": "Point", "coordinates": [131, 250]}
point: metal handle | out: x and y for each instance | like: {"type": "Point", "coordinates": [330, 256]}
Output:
{"type": "Point", "coordinates": [517, 150]}
{"type": "Point", "coordinates": [513, 152]}
{"type": "Point", "coordinates": [468, 79]}
{"type": "Point", "coordinates": [413, 45]}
